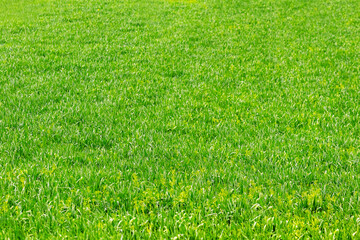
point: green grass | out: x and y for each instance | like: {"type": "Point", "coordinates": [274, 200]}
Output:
{"type": "Point", "coordinates": [179, 119]}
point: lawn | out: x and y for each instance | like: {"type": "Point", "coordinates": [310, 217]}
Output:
{"type": "Point", "coordinates": [179, 119]}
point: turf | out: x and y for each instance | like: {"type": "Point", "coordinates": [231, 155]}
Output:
{"type": "Point", "coordinates": [179, 119]}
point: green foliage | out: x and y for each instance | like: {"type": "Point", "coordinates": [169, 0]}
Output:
{"type": "Point", "coordinates": [179, 119]}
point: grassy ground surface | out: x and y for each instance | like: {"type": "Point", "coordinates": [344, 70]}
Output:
{"type": "Point", "coordinates": [179, 119]}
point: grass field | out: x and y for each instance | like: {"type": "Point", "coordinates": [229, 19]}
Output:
{"type": "Point", "coordinates": [179, 119]}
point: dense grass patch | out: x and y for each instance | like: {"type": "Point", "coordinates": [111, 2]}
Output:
{"type": "Point", "coordinates": [187, 119]}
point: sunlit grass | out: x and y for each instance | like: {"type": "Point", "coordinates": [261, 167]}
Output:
{"type": "Point", "coordinates": [179, 119]}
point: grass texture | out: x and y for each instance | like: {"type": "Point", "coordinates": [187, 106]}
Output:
{"type": "Point", "coordinates": [170, 119]}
